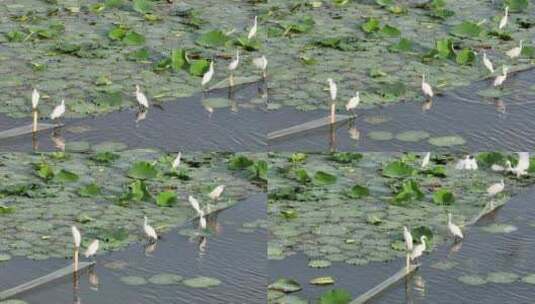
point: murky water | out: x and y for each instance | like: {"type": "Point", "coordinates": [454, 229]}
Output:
{"type": "Point", "coordinates": [484, 123]}
{"type": "Point", "coordinates": [236, 258]}
{"type": "Point", "coordinates": [480, 253]}
{"type": "Point", "coordinates": [184, 125]}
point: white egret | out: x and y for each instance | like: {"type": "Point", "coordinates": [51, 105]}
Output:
{"type": "Point", "coordinates": [503, 21]}
{"type": "Point", "coordinates": [500, 79]}
{"type": "Point", "coordinates": [202, 221]}
{"type": "Point", "coordinates": [195, 204]}
{"type": "Point", "coordinates": [419, 249]}
{"type": "Point", "coordinates": [58, 111]}
{"type": "Point", "coordinates": [426, 88]}
{"type": "Point", "coordinates": [496, 188]}
{"type": "Point", "coordinates": [261, 63]}
{"type": "Point", "coordinates": [520, 168]}
{"type": "Point", "coordinates": [92, 249]}
{"type": "Point", "coordinates": [176, 162]}
{"type": "Point", "coordinates": [233, 66]}
{"type": "Point", "coordinates": [35, 99]}
{"type": "Point", "coordinates": [487, 63]}
{"type": "Point", "coordinates": [208, 75]}
{"type": "Point", "coordinates": [516, 51]}
{"type": "Point", "coordinates": [216, 193]}
{"type": "Point", "coordinates": [425, 161]}
{"type": "Point", "coordinates": [77, 240]}
{"type": "Point", "coordinates": [454, 229]}
{"type": "Point", "coordinates": [141, 98]}
{"type": "Point", "coordinates": [252, 31]}
{"type": "Point", "coordinates": [149, 231]}
{"type": "Point", "coordinates": [471, 163]}
{"type": "Point", "coordinates": [407, 236]}
{"type": "Point", "coordinates": [333, 91]}
{"type": "Point", "coordinates": [353, 103]}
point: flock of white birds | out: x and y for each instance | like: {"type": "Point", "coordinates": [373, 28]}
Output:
{"type": "Point", "coordinates": [150, 231]}
{"type": "Point", "coordinates": [468, 163]}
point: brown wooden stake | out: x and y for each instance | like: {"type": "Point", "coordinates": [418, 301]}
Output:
{"type": "Point", "coordinates": [231, 80]}
{"type": "Point", "coordinates": [35, 117]}
{"type": "Point", "coordinates": [75, 260]}
{"type": "Point", "coordinates": [333, 112]}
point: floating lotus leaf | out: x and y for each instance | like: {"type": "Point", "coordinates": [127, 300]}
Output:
{"type": "Point", "coordinates": [133, 280]}
{"type": "Point", "coordinates": [444, 265]}
{"type": "Point", "coordinates": [328, 280]}
{"type": "Point", "coordinates": [502, 277]}
{"type": "Point", "coordinates": [380, 135]}
{"type": "Point", "coordinates": [472, 280]}
{"type": "Point", "coordinates": [109, 146]}
{"type": "Point", "coordinates": [499, 228]}
{"type": "Point", "coordinates": [447, 141]}
{"type": "Point", "coordinates": [285, 285]}
{"type": "Point", "coordinates": [13, 301]}
{"type": "Point", "coordinates": [5, 257]}
{"type": "Point", "coordinates": [529, 279]}
{"type": "Point", "coordinates": [201, 282]}
{"type": "Point", "coordinates": [165, 279]}
{"type": "Point", "coordinates": [412, 136]}
{"type": "Point", "coordinates": [319, 263]}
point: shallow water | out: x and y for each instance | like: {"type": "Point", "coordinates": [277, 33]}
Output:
{"type": "Point", "coordinates": [480, 121]}
{"type": "Point", "coordinates": [184, 125]}
{"type": "Point", "coordinates": [480, 253]}
{"type": "Point", "coordinates": [236, 258]}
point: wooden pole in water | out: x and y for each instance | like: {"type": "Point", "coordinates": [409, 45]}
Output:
{"type": "Point", "coordinates": [75, 264]}
{"type": "Point", "coordinates": [333, 112]}
{"type": "Point", "coordinates": [231, 79]}
{"type": "Point", "coordinates": [35, 118]}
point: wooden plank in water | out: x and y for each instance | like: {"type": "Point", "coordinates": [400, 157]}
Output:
{"type": "Point", "coordinates": [402, 273]}
{"type": "Point", "coordinates": [307, 126]}
{"type": "Point", "coordinates": [28, 129]}
{"type": "Point", "coordinates": [489, 207]}
{"type": "Point", "coordinates": [58, 274]}
{"type": "Point", "coordinates": [225, 83]}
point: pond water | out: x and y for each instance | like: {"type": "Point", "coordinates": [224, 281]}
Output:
{"type": "Point", "coordinates": [484, 123]}
{"type": "Point", "coordinates": [232, 254]}
{"type": "Point", "coordinates": [184, 125]}
{"type": "Point", "coordinates": [481, 253]}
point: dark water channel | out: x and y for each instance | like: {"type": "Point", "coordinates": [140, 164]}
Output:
{"type": "Point", "coordinates": [235, 257]}
{"type": "Point", "coordinates": [480, 253]}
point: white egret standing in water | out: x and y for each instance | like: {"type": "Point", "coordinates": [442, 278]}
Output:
{"type": "Point", "coordinates": [176, 162]}
{"type": "Point", "coordinates": [208, 75]}
{"type": "Point", "coordinates": [216, 193]}
{"type": "Point", "coordinates": [488, 63]}
{"type": "Point", "coordinates": [141, 98]}
{"type": "Point", "coordinates": [500, 79]}
{"type": "Point", "coordinates": [353, 103]}
{"type": "Point", "coordinates": [426, 160]}
{"type": "Point", "coordinates": [92, 249]}
{"type": "Point", "coordinates": [516, 51]}
{"type": "Point", "coordinates": [333, 91]}
{"type": "Point", "coordinates": [233, 66]}
{"type": "Point", "coordinates": [77, 240]}
{"type": "Point", "coordinates": [261, 63]}
{"type": "Point", "coordinates": [426, 88]}
{"type": "Point", "coordinates": [503, 21]}
{"type": "Point", "coordinates": [419, 249]}
{"type": "Point", "coordinates": [454, 229]}
{"type": "Point", "coordinates": [496, 188]}
{"type": "Point", "coordinates": [195, 204]}
{"type": "Point", "coordinates": [252, 31]}
{"type": "Point", "coordinates": [149, 231]}
{"type": "Point", "coordinates": [35, 103]}
{"type": "Point", "coordinates": [58, 111]}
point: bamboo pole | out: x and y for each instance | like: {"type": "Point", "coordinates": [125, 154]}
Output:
{"type": "Point", "coordinates": [307, 126]}
{"type": "Point", "coordinates": [35, 118]}
{"type": "Point", "coordinates": [28, 129]}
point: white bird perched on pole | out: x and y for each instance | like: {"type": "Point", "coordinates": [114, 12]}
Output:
{"type": "Point", "coordinates": [520, 168]}
{"type": "Point", "coordinates": [141, 98]}
{"type": "Point", "coordinates": [333, 91]}
{"type": "Point", "coordinates": [496, 188]}
{"type": "Point", "coordinates": [35, 99]}
{"type": "Point", "coordinates": [176, 162]}
{"type": "Point", "coordinates": [77, 240]}
{"type": "Point", "coordinates": [261, 63]}
{"type": "Point", "coordinates": [454, 229]}
{"type": "Point", "coordinates": [149, 231]}
{"type": "Point", "coordinates": [516, 51]}
{"type": "Point", "coordinates": [208, 75]}
{"type": "Point", "coordinates": [216, 193]}
{"type": "Point", "coordinates": [353, 103]}
{"type": "Point", "coordinates": [487, 63]}
{"type": "Point", "coordinates": [419, 249]}
{"type": "Point", "coordinates": [503, 21]}
{"type": "Point", "coordinates": [407, 236]}
{"type": "Point", "coordinates": [252, 31]}
{"type": "Point", "coordinates": [92, 249]}
{"type": "Point", "coordinates": [500, 79]}
{"type": "Point", "coordinates": [58, 111]}
{"type": "Point", "coordinates": [426, 88]}
{"type": "Point", "coordinates": [233, 66]}
{"type": "Point", "coordinates": [426, 159]}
